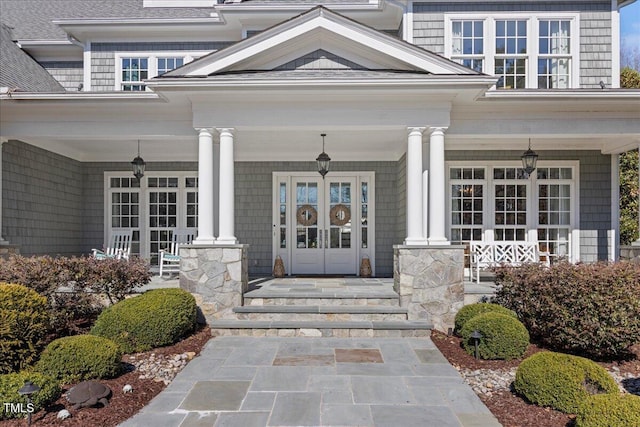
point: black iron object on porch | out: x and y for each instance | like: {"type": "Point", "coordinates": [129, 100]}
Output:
{"type": "Point", "coordinates": [323, 160]}
{"type": "Point", "coordinates": [476, 335]}
{"type": "Point", "coordinates": [27, 390]}
{"type": "Point", "coordinates": [138, 165]}
{"type": "Point", "coordinates": [529, 160]}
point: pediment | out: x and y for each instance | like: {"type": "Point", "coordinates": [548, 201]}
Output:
{"type": "Point", "coordinates": [320, 39]}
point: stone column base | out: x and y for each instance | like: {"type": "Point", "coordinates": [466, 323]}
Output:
{"type": "Point", "coordinates": [429, 280]}
{"type": "Point", "coordinates": [217, 276]}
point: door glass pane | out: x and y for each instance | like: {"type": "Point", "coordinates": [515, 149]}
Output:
{"type": "Point", "coordinates": [306, 215]}
{"type": "Point", "coordinates": [340, 215]}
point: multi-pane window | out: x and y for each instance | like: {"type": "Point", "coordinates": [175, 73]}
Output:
{"type": "Point", "coordinates": [283, 214]}
{"type": "Point", "coordinates": [307, 215]}
{"type": "Point", "coordinates": [510, 199]}
{"type": "Point", "coordinates": [124, 207]}
{"type": "Point", "coordinates": [554, 209]}
{"type": "Point", "coordinates": [523, 50]}
{"type": "Point", "coordinates": [134, 71]}
{"type": "Point", "coordinates": [511, 54]}
{"type": "Point", "coordinates": [554, 49]}
{"type": "Point", "coordinates": [340, 200]}
{"type": "Point", "coordinates": [467, 204]}
{"type": "Point", "coordinates": [191, 184]}
{"type": "Point", "coordinates": [168, 64]}
{"type": "Point", "coordinates": [467, 43]}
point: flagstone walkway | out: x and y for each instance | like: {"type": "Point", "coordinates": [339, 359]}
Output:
{"type": "Point", "coordinates": [278, 381]}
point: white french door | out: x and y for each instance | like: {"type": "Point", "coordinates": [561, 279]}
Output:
{"type": "Point", "coordinates": [322, 226]}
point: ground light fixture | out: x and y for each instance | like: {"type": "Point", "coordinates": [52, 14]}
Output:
{"type": "Point", "coordinates": [476, 335]}
{"type": "Point", "coordinates": [529, 160]}
{"type": "Point", "coordinates": [27, 390]}
{"type": "Point", "coordinates": [323, 160]}
{"type": "Point", "coordinates": [138, 165]}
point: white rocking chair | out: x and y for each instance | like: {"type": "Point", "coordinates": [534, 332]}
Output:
{"type": "Point", "coordinates": [170, 258]}
{"type": "Point", "coordinates": [119, 246]}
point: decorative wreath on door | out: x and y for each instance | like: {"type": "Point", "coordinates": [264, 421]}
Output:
{"type": "Point", "coordinates": [340, 215]}
{"type": "Point", "coordinates": [306, 215]}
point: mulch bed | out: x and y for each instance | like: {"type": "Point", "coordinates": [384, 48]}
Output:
{"type": "Point", "coordinates": [121, 406]}
{"type": "Point", "coordinates": [510, 409]}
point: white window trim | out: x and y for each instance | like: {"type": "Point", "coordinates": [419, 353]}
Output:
{"type": "Point", "coordinates": [532, 40]}
{"type": "Point", "coordinates": [152, 58]}
{"type": "Point", "coordinates": [532, 205]}
{"type": "Point", "coordinates": [143, 201]}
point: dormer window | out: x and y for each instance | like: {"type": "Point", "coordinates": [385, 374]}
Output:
{"type": "Point", "coordinates": [133, 68]}
{"type": "Point", "coordinates": [538, 51]}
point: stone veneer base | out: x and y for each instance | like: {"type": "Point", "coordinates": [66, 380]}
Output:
{"type": "Point", "coordinates": [429, 280]}
{"type": "Point", "coordinates": [216, 275]}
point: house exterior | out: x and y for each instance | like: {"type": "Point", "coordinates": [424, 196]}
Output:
{"type": "Point", "coordinates": [427, 107]}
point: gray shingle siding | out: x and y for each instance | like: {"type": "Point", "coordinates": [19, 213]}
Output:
{"type": "Point", "coordinates": [41, 200]}
{"type": "Point", "coordinates": [103, 66]}
{"type": "Point", "coordinates": [595, 193]}
{"type": "Point", "coordinates": [595, 30]}
{"type": "Point", "coordinates": [68, 73]}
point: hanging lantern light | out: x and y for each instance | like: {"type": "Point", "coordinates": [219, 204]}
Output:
{"type": "Point", "coordinates": [138, 165]}
{"type": "Point", "coordinates": [529, 160]}
{"type": "Point", "coordinates": [323, 160]}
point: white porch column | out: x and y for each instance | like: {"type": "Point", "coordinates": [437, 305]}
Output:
{"type": "Point", "coordinates": [227, 210]}
{"type": "Point", "coordinates": [2, 241]}
{"type": "Point", "coordinates": [205, 187]}
{"type": "Point", "coordinates": [415, 232]}
{"type": "Point", "coordinates": [437, 190]}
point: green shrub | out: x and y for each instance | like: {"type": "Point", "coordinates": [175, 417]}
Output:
{"type": "Point", "coordinates": [24, 322]}
{"type": "Point", "coordinates": [155, 318]}
{"type": "Point", "coordinates": [587, 309]}
{"type": "Point", "coordinates": [609, 410]}
{"type": "Point", "coordinates": [11, 383]}
{"type": "Point", "coordinates": [472, 310]}
{"type": "Point", "coordinates": [81, 357]}
{"type": "Point", "coordinates": [503, 336]}
{"type": "Point", "coordinates": [561, 381]}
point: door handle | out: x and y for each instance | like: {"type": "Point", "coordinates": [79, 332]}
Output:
{"type": "Point", "coordinates": [320, 239]}
{"type": "Point", "coordinates": [326, 236]}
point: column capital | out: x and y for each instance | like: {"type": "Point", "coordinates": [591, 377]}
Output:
{"type": "Point", "coordinates": [413, 130]}
{"type": "Point", "coordinates": [205, 131]}
{"type": "Point", "coordinates": [437, 129]}
{"type": "Point", "coordinates": [3, 140]}
{"type": "Point", "coordinates": [229, 131]}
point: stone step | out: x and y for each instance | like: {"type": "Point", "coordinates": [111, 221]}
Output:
{"type": "Point", "coordinates": [321, 313]}
{"type": "Point", "coordinates": [261, 298]}
{"type": "Point", "coordinates": [281, 328]}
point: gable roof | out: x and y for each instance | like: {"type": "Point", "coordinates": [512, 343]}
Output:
{"type": "Point", "coordinates": [20, 72]}
{"type": "Point", "coordinates": [320, 28]}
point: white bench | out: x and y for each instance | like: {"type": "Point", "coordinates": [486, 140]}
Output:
{"type": "Point", "coordinates": [510, 253]}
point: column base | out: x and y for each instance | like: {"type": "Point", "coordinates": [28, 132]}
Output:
{"type": "Point", "coordinates": [412, 241]}
{"type": "Point", "coordinates": [204, 241]}
{"type": "Point", "coordinates": [226, 241]}
{"type": "Point", "coordinates": [635, 243]}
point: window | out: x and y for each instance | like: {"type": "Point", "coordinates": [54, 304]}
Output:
{"type": "Point", "coordinates": [134, 71]}
{"type": "Point", "coordinates": [499, 202]}
{"type": "Point", "coordinates": [527, 50]}
{"type": "Point", "coordinates": [511, 54]}
{"type": "Point", "coordinates": [168, 64]}
{"type": "Point", "coordinates": [468, 44]}
{"type": "Point", "coordinates": [554, 49]}
{"type": "Point", "coordinates": [133, 68]}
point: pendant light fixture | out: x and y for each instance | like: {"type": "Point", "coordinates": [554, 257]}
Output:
{"type": "Point", "coordinates": [529, 160]}
{"type": "Point", "coordinates": [138, 165]}
{"type": "Point", "coordinates": [323, 160]}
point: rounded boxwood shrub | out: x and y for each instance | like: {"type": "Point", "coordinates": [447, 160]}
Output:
{"type": "Point", "coordinates": [11, 383]}
{"type": "Point", "coordinates": [503, 336]}
{"type": "Point", "coordinates": [81, 357]}
{"type": "Point", "coordinates": [604, 410]}
{"type": "Point", "coordinates": [24, 322]}
{"type": "Point", "coordinates": [153, 319]}
{"type": "Point", "coordinates": [561, 381]}
{"type": "Point", "coordinates": [470, 311]}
